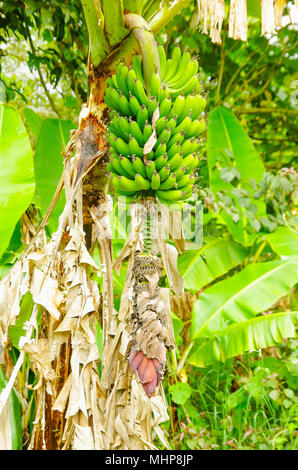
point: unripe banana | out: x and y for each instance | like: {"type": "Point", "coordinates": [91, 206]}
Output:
{"type": "Point", "coordinates": [190, 162]}
{"type": "Point", "coordinates": [169, 182]}
{"type": "Point", "coordinates": [135, 131]}
{"type": "Point", "coordinates": [139, 166]}
{"type": "Point", "coordinates": [117, 187]}
{"type": "Point", "coordinates": [160, 162]}
{"type": "Point", "coordinates": [123, 104]}
{"type": "Point", "coordinates": [155, 86]}
{"type": "Point", "coordinates": [143, 183]}
{"type": "Point", "coordinates": [121, 76]}
{"type": "Point", "coordinates": [155, 181]}
{"type": "Point", "coordinates": [184, 125]}
{"type": "Point", "coordinates": [131, 78]}
{"type": "Point", "coordinates": [165, 107]}
{"type": "Point", "coordinates": [140, 93]}
{"type": "Point", "coordinates": [176, 139]}
{"type": "Point", "coordinates": [137, 66]}
{"type": "Point", "coordinates": [173, 150]}
{"type": "Point", "coordinates": [176, 161]}
{"type": "Point", "coordinates": [178, 106]}
{"type": "Point", "coordinates": [163, 137]}
{"type": "Point", "coordinates": [163, 61]}
{"type": "Point", "coordinates": [161, 124]}
{"type": "Point", "coordinates": [161, 150]}
{"type": "Point", "coordinates": [164, 172]}
{"type": "Point", "coordinates": [152, 105]}
{"type": "Point", "coordinates": [134, 105]}
{"type": "Point", "coordinates": [147, 131]}
{"type": "Point", "coordinates": [127, 166]}
{"type": "Point", "coordinates": [184, 181]}
{"type": "Point", "coordinates": [142, 116]}
{"type": "Point", "coordinates": [173, 195]}
{"type": "Point", "coordinates": [134, 148]}
{"type": "Point", "coordinates": [126, 184]}
{"type": "Point", "coordinates": [150, 169]}
{"type": "Point", "coordinates": [197, 128]}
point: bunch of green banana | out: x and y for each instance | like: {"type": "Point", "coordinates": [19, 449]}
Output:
{"type": "Point", "coordinates": [167, 171]}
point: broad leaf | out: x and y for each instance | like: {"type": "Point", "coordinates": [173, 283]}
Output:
{"type": "Point", "coordinates": [249, 335]}
{"type": "Point", "coordinates": [243, 296]}
{"type": "Point", "coordinates": [214, 259]}
{"type": "Point", "coordinates": [227, 137]}
{"type": "Point", "coordinates": [284, 241]}
{"type": "Point", "coordinates": [48, 164]}
{"type": "Point", "coordinates": [16, 172]}
{"type": "Point", "coordinates": [33, 120]}
{"type": "Point", "coordinates": [10, 421]}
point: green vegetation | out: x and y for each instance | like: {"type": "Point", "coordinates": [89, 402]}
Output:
{"type": "Point", "coordinates": [232, 378]}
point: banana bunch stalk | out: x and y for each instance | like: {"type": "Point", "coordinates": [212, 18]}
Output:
{"type": "Point", "coordinates": [165, 172]}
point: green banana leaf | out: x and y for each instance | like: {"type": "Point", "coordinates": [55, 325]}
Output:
{"type": "Point", "coordinates": [16, 172]}
{"type": "Point", "coordinates": [225, 133]}
{"type": "Point", "coordinates": [249, 335]}
{"type": "Point", "coordinates": [33, 120]}
{"type": "Point", "coordinates": [14, 424]}
{"type": "Point", "coordinates": [229, 145]}
{"type": "Point", "coordinates": [199, 267]}
{"type": "Point", "coordinates": [243, 296]}
{"type": "Point", "coordinates": [48, 163]}
{"type": "Point", "coordinates": [284, 241]}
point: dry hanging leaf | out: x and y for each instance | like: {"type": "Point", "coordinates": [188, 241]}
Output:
{"type": "Point", "coordinates": [238, 20]}
{"type": "Point", "coordinates": [268, 23]}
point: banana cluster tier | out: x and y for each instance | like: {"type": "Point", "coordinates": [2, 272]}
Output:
{"type": "Point", "coordinates": [169, 116]}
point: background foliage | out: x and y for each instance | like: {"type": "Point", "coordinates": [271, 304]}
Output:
{"type": "Point", "coordinates": [240, 285]}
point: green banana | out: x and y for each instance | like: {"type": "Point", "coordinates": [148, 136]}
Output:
{"type": "Point", "coordinates": [139, 166]}
{"type": "Point", "coordinates": [121, 76]}
{"type": "Point", "coordinates": [184, 125]}
{"type": "Point", "coordinates": [173, 150]}
{"type": "Point", "coordinates": [155, 181]}
{"type": "Point", "coordinates": [123, 104]}
{"type": "Point", "coordinates": [161, 124]}
{"type": "Point", "coordinates": [164, 136]}
{"type": "Point", "coordinates": [147, 131]}
{"type": "Point", "coordinates": [197, 128]}
{"type": "Point", "coordinates": [185, 59]}
{"type": "Point", "coordinates": [155, 86]}
{"type": "Point", "coordinates": [142, 116]}
{"type": "Point", "coordinates": [164, 172]}
{"type": "Point", "coordinates": [184, 181]}
{"type": "Point", "coordinates": [137, 66]}
{"type": "Point", "coordinates": [160, 162]}
{"type": "Point", "coordinates": [134, 105]}
{"type": "Point", "coordinates": [150, 168]}
{"type": "Point", "coordinates": [169, 182]}
{"type": "Point", "coordinates": [118, 187]}
{"type": "Point", "coordinates": [140, 93]}
{"type": "Point", "coordinates": [131, 78]}
{"type": "Point", "coordinates": [162, 60]}
{"type": "Point", "coordinates": [165, 107]}
{"type": "Point", "coordinates": [135, 131]}
{"type": "Point", "coordinates": [152, 106]}
{"type": "Point", "coordinates": [134, 148]}
{"type": "Point", "coordinates": [143, 183]}
{"type": "Point", "coordinates": [126, 184]}
{"type": "Point", "coordinates": [176, 161]}
{"type": "Point", "coordinates": [173, 195]}
{"type": "Point", "coordinates": [161, 150]}
{"type": "Point", "coordinates": [178, 106]}
{"type": "Point", "coordinates": [127, 166]}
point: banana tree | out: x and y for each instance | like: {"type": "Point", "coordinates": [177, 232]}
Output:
{"type": "Point", "coordinates": [78, 406]}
